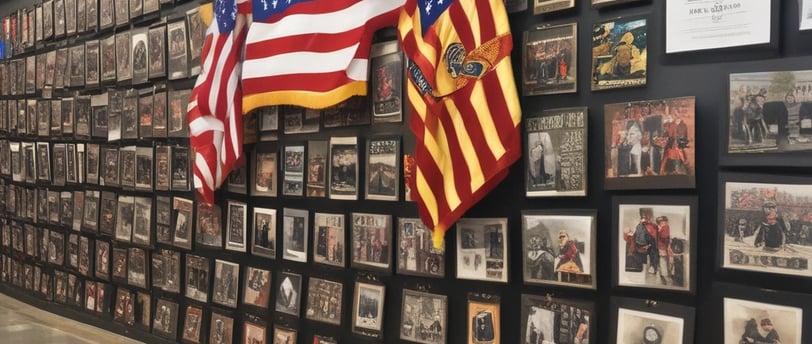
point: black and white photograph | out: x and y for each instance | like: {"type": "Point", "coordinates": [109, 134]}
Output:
{"type": "Point", "coordinates": [197, 36]}
{"type": "Point", "coordinates": [157, 51]}
{"type": "Point", "coordinates": [67, 111]}
{"type": "Point", "coordinates": [424, 317]}
{"type": "Point", "coordinates": [383, 169]}
{"type": "Point", "coordinates": [484, 318]}
{"type": "Point", "coordinates": [90, 218]}
{"type": "Point", "coordinates": [59, 18]}
{"type": "Point", "coordinates": [329, 246]}
{"type": "Point", "coordinates": [108, 59]}
{"type": "Point", "coordinates": [106, 14]}
{"type": "Point", "coordinates": [481, 249]}
{"type": "Point", "coordinates": [226, 283]}
{"type": "Point", "coordinates": [137, 268]}
{"type": "Point", "coordinates": [638, 326]}
{"type": "Point", "coordinates": [387, 71]}
{"type": "Point", "coordinates": [178, 67]}
{"type": "Point", "coordinates": [107, 218]}
{"type": "Point", "coordinates": [371, 241]}
{"type": "Point", "coordinates": [139, 58]}
{"type": "Point", "coordinates": [159, 109]}
{"type": "Point", "coordinates": [221, 330]}
{"type": "Point", "coordinates": [77, 65]}
{"type": "Point", "coordinates": [556, 158]}
{"type": "Point", "coordinates": [102, 260]}
{"type": "Point", "coordinates": [236, 226]}
{"type": "Point", "coordinates": [162, 168]}
{"type": "Point", "coordinates": [288, 293]}
{"type": "Point", "coordinates": [559, 248]}
{"type": "Point", "coordinates": [265, 172]}
{"type": "Point", "coordinates": [124, 68]}
{"type": "Point", "coordinates": [142, 230]}
{"type": "Point", "coordinates": [547, 6]}
{"type": "Point", "coordinates": [125, 215]}
{"type": "Point", "coordinates": [143, 168]}
{"type": "Point", "coordinates": [546, 320]}
{"type": "Point", "coordinates": [324, 301]}
{"type": "Point", "coordinates": [192, 322]}
{"type": "Point", "coordinates": [550, 55]}
{"type": "Point", "coordinates": [748, 321]}
{"type": "Point", "coordinates": [165, 321]}
{"type": "Point", "coordinates": [316, 168]}
{"type": "Point", "coordinates": [257, 287]}
{"type": "Point", "coordinates": [92, 57]}
{"type": "Point", "coordinates": [416, 253]}
{"type": "Point", "coordinates": [208, 231]}
{"type": "Point", "coordinates": [119, 265]}
{"type": "Point", "coordinates": [344, 168]}
{"type": "Point", "coordinates": [293, 178]}
{"type": "Point", "coordinates": [367, 309]}
{"type": "Point", "coordinates": [124, 307]}
{"type": "Point", "coordinates": [197, 278]}
{"type": "Point", "coordinates": [264, 243]}
{"type": "Point", "coordinates": [180, 168]}
{"type": "Point", "coordinates": [294, 234]}
{"type": "Point", "coordinates": [78, 209]}
{"type": "Point", "coordinates": [268, 118]}
{"type": "Point", "coordinates": [182, 213]}
{"type": "Point", "coordinates": [254, 333]}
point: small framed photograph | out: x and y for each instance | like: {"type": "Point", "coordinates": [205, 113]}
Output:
{"type": "Point", "coordinates": [636, 320]}
{"type": "Point", "coordinates": [416, 252]}
{"type": "Point", "coordinates": [68, 116]}
{"type": "Point", "coordinates": [481, 249]}
{"type": "Point", "coordinates": [383, 169]}
{"type": "Point", "coordinates": [372, 241]}
{"type": "Point", "coordinates": [90, 218]}
{"type": "Point", "coordinates": [107, 219]}
{"type": "Point", "coordinates": [221, 329]}
{"type": "Point", "coordinates": [559, 248]}
{"type": "Point", "coordinates": [77, 65]}
{"type": "Point", "coordinates": [569, 321]}
{"type": "Point", "coordinates": [92, 56]}
{"type": "Point", "coordinates": [162, 168]}
{"type": "Point", "coordinates": [178, 67]}
{"type": "Point", "coordinates": [124, 70]}
{"type": "Point", "coordinates": [178, 101]}
{"type": "Point", "coordinates": [163, 220]}
{"type": "Point", "coordinates": [237, 180]}
{"type": "Point", "coordinates": [556, 159]}
{"type": "Point", "coordinates": [60, 164]}
{"type": "Point", "coordinates": [53, 206]}
{"type": "Point", "coordinates": [137, 269]}
{"type": "Point", "coordinates": [288, 293]}
{"type": "Point", "coordinates": [293, 179]}
{"type": "Point", "coordinates": [283, 335]}
{"type": "Point", "coordinates": [86, 254]}
{"type": "Point", "coordinates": [43, 162]}
{"type": "Point", "coordinates": [90, 295]}
{"type": "Point", "coordinates": [151, 6]}
{"type": "Point", "coordinates": [136, 8]}
{"type": "Point", "coordinates": [650, 144]}
{"type": "Point", "coordinates": [124, 307]}
{"type": "Point", "coordinates": [159, 120]}
{"type": "Point", "coordinates": [165, 322]}
{"type": "Point", "coordinates": [197, 36]}
{"type": "Point", "coordinates": [143, 168]}
{"type": "Point", "coordinates": [316, 168]}
{"type": "Point", "coordinates": [265, 172]}
{"type": "Point", "coordinates": [102, 270]}
{"type": "Point", "coordinates": [183, 209]}
{"type": "Point", "coordinates": [268, 118]}
{"type": "Point", "coordinates": [209, 225]}
{"type": "Point", "coordinates": [344, 168]}
{"type": "Point", "coordinates": [83, 111]}
{"type": "Point", "coordinates": [329, 246]}
{"type": "Point", "coordinates": [619, 51]}
{"type": "Point", "coordinates": [166, 270]}
{"type": "Point", "coordinates": [73, 247]}
{"type": "Point", "coordinates": [547, 6]}
{"type": "Point", "coordinates": [294, 230]}
{"type": "Point", "coordinates": [129, 115]}
{"type": "Point", "coordinates": [157, 51]}
{"type": "Point", "coordinates": [119, 268]}
{"type": "Point", "coordinates": [354, 111]}
{"type": "Point", "coordinates": [387, 82]}
{"type": "Point", "coordinates": [197, 278]}
{"type": "Point", "coordinates": [484, 314]}
{"type": "Point", "coordinates": [226, 283]}
{"type": "Point", "coordinates": [324, 301]}
{"type": "Point", "coordinates": [56, 248]}
{"type": "Point", "coordinates": [139, 55]}
{"type": "Point", "coordinates": [59, 18]}
{"type": "Point", "coordinates": [106, 14]}
{"type": "Point", "coordinates": [264, 243]}
{"type": "Point", "coordinates": [257, 287]}
{"type": "Point", "coordinates": [367, 309]}
{"type": "Point", "coordinates": [98, 106]}
{"type": "Point", "coordinates": [254, 333]}
{"type": "Point", "coordinates": [180, 168]}
{"type": "Point", "coordinates": [237, 217]}
{"type": "Point", "coordinates": [191, 324]}
{"type": "Point", "coordinates": [550, 54]}
{"type": "Point", "coordinates": [424, 317]}
{"type": "Point", "coordinates": [144, 113]}
{"type": "Point", "coordinates": [30, 74]}
{"type": "Point", "coordinates": [143, 310]}
{"type": "Point", "coordinates": [70, 16]}
{"type": "Point", "coordinates": [108, 59]}
{"type": "Point", "coordinates": [761, 316]}
{"type": "Point", "coordinates": [109, 166]}
{"type": "Point", "coordinates": [125, 215]}
{"type": "Point", "coordinates": [299, 120]}
{"type": "Point", "coordinates": [47, 19]}
{"type": "Point", "coordinates": [142, 231]}
{"type": "Point", "coordinates": [43, 118]}
{"type": "Point", "coordinates": [655, 241]}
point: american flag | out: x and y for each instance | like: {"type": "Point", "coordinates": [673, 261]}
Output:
{"type": "Point", "coordinates": [215, 107]}
{"type": "Point", "coordinates": [465, 107]}
{"type": "Point", "coordinates": [311, 53]}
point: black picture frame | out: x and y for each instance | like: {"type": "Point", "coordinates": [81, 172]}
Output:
{"type": "Point", "coordinates": [197, 284]}
{"type": "Point", "coordinates": [265, 238]}
{"type": "Point", "coordinates": [226, 284]}
{"type": "Point", "coordinates": [637, 318]}
{"type": "Point", "coordinates": [569, 261]}
{"type": "Point", "coordinates": [208, 231]}
{"type": "Point", "coordinates": [548, 55]}
{"type": "Point", "coordinates": [744, 308]}
{"type": "Point", "coordinates": [288, 293]}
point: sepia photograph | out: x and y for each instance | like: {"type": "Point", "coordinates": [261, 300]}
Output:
{"type": "Point", "coordinates": [387, 72]}
{"type": "Point", "coordinates": [144, 113]}
{"type": "Point", "coordinates": [293, 169]}
{"type": "Point", "coordinates": [125, 215]}
{"type": "Point", "coordinates": [316, 168]}
{"type": "Point", "coordinates": [90, 219]}
{"type": "Point", "coordinates": [257, 287]}
{"type": "Point", "coordinates": [550, 56]}
{"type": "Point", "coordinates": [226, 283]}
{"type": "Point", "coordinates": [324, 301]}
{"type": "Point", "coordinates": [191, 324]}
{"type": "Point", "coordinates": [485, 324]}
{"type": "Point", "coordinates": [119, 266]}
{"type": "Point", "coordinates": [283, 335]}
{"type": "Point", "coordinates": [294, 234]}
{"type": "Point", "coordinates": [265, 172]}
{"type": "Point", "coordinates": [288, 293]}
{"type": "Point", "coordinates": [344, 168]}
{"type": "Point", "coordinates": [108, 59]}
{"type": "Point", "coordinates": [367, 309]}
{"type": "Point", "coordinates": [197, 36]}
{"type": "Point", "coordinates": [383, 169]}
{"type": "Point", "coordinates": [139, 56]}
{"type": "Point", "coordinates": [545, 320]}
{"type": "Point", "coordinates": [416, 252]}
{"type": "Point", "coordinates": [547, 6]}
{"type": "Point", "coordinates": [424, 317]}
{"type": "Point", "coordinates": [329, 247]}
{"type": "Point", "coordinates": [756, 322]}
{"type": "Point", "coordinates": [650, 144]}
{"type": "Point", "coordinates": [178, 67]}
{"type": "Point", "coordinates": [299, 120]}
{"type": "Point", "coordinates": [157, 51]}
{"type": "Point", "coordinates": [237, 221]}
{"type": "Point", "coordinates": [123, 307]}
{"type": "Point", "coordinates": [165, 322]}
{"type": "Point", "coordinates": [77, 65]}
{"type": "Point", "coordinates": [182, 214]}
{"type": "Point", "coordinates": [556, 158]}
{"type": "Point", "coordinates": [178, 102]}
{"type": "Point", "coordinates": [264, 243]}
{"type": "Point", "coordinates": [481, 249]}
{"type": "Point", "coordinates": [92, 57]}
{"type": "Point", "coordinates": [208, 231]}
{"type": "Point", "coordinates": [102, 260]}
{"type": "Point", "coordinates": [197, 278]}
{"type": "Point", "coordinates": [142, 231]}
{"type": "Point", "coordinates": [619, 54]}
{"type": "Point", "coordinates": [124, 69]}
{"type": "Point", "coordinates": [107, 218]}
{"type": "Point", "coordinates": [559, 248]}
{"type": "Point", "coordinates": [254, 333]}
{"type": "Point", "coordinates": [106, 14]}
{"type": "Point", "coordinates": [162, 168]}
{"type": "Point", "coordinates": [143, 168]}
{"type": "Point", "coordinates": [372, 241]}
{"type": "Point", "coordinates": [221, 330]}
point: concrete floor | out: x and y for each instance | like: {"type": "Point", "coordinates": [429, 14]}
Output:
{"type": "Point", "coordinates": [27, 324]}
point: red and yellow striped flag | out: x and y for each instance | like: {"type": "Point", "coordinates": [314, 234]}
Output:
{"type": "Point", "coordinates": [466, 110]}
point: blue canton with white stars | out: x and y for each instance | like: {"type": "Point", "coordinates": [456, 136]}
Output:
{"type": "Point", "coordinates": [263, 9]}
{"type": "Point", "coordinates": [430, 10]}
{"type": "Point", "coordinates": [226, 13]}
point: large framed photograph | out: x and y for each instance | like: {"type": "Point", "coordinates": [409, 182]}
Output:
{"type": "Point", "coordinates": [424, 317]}
{"type": "Point", "coordinates": [288, 293]}
{"type": "Point", "coordinates": [416, 252]}
{"type": "Point", "coordinates": [769, 120]}
{"type": "Point", "coordinates": [237, 220]}
{"type": "Point", "coordinates": [619, 54]}
{"type": "Point", "coordinates": [751, 315]}
{"type": "Point", "coordinates": [550, 57]}
{"type": "Point", "coordinates": [264, 243]}
{"type": "Point", "coordinates": [294, 230]}
{"type": "Point", "coordinates": [383, 169]}
{"type": "Point", "coordinates": [484, 319]}
{"type": "Point", "coordinates": [257, 287]}
{"type": "Point", "coordinates": [482, 248]}
{"type": "Point", "coordinates": [324, 301]}
{"type": "Point", "coordinates": [367, 309]}
{"type": "Point", "coordinates": [372, 241]}
{"type": "Point", "coordinates": [556, 163]}
{"type": "Point", "coordinates": [344, 168]}
{"type": "Point", "coordinates": [328, 232]}
{"type": "Point", "coordinates": [226, 283]}
{"type": "Point", "coordinates": [763, 225]}
{"type": "Point", "coordinates": [387, 71]}
{"type": "Point", "coordinates": [655, 239]}
{"type": "Point", "coordinates": [559, 248]}
{"type": "Point", "coordinates": [265, 172]}
{"type": "Point", "coordinates": [197, 278]}
{"type": "Point", "coordinates": [748, 23]}
{"type": "Point", "coordinates": [646, 321]}
{"type": "Point", "coordinates": [650, 144]}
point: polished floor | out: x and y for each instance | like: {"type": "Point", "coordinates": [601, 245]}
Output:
{"type": "Point", "coordinates": [27, 324]}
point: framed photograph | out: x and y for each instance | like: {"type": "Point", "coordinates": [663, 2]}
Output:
{"type": "Point", "coordinates": [163, 169]}
{"type": "Point", "coordinates": [645, 321]}
{"type": "Point", "coordinates": [294, 230]}
{"type": "Point", "coordinates": [139, 55]}
{"type": "Point", "coordinates": [293, 179]}
{"type": "Point", "coordinates": [143, 168]}
{"type": "Point", "coordinates": [30, 74]}
{"type": "Point", "coordinates": [197, 36]}
{"type": "Point", "coordinates": [760, 315]}
{"type": "Point", "coordinates": [129, 115]}
{"type": "Point", "coordinates": [265, 172]}
{"type": "Point", "coordinates": [178, 67]}
{"type": "Point", "coordinates": [59, 18]}
{"type": "Point", "coordinates": [157, 51]}
{"type": "Point", "coordinates": [178, 101]}
{"type": "Point", "coordinates": [288, 293]}
{"type": "Point", "coordinates": [769, 121]}
{"type": "Point", "coordinates": [180, 168]}
{"type": "Point", "coordinates": [83, 111]}
{"type": "Point", "coordinates": [619, 51]}
{"type": "Point", "coordinates": [144, 113]}
{"type": "Point", "coordinates": [383, 169]}
{"type": "Point", "coordinates": [107, 59]}
{"type": "Point", "coordinates": [316, 168]}
{"type": "Point", "coordinates": [165, 322]}
{"type": "Point", "coordinates": [283, 335]}
{"type": "Point", "coordinates": [746, 24]}
{"type": "Point", "coordinates": [122, 12]}
{"type": "Point", "coordinates": [329, 246]}
{"type": "Point", "coordinates": [73, 247]}
{"type": "Point", "coordinates": [159, 120]}
{"type": "Point", "coordinates": [119, 268]}
{"type": "Point", "coordinates": [344, 168]}
{"type": "Point", "coordinates": [481, 249]}
{"type": "Point", "coordinates": [650, 144]}
{"type": "Point", "coordinates": [102, 261]}
{"type": "Point", "coordinates": [171, 262]}
{"type": "Point", "coordinates": [125, 215]}
{"type": "Point", "coordinates": [107, 219]}
{"type": "Point", "coordinates": [151, 6]}
{"type": "Point", "coordinates": [484, 320]}
{"type": "Point", "coordinates": [92, 55]}
{"type": "Point", "coordinates": [257, 287]}
{"type": "Point", "coordinates": [78, 209]}
{"type": "Point", "coordinates": [138, 270]}
{"type": "Point", "coordinates": [559, 248]}
{"type": "Point", "coordinates": [387, 82]}
{"type": "Point", "coordinates": [124, 307]}
{"type": "Point", "coordinates": [142, 230]}
{"type": "Point", "coordinates": [354, 111]}
{"type": "Point", "coordinates": [136, 8]}
{"type": "Point", "coordinates": [547, 6]}
{"type": "Point", "coordinates": [90, 218]}
{"type": "Point", "coordinates": [416, 253]}
{"type": "Point", "coordinates": [86, 254]}
{"type": "Point", "coordinates": [182, 209]}
{"type": "Point", "coordinates": [423, 317]}
{"type": "Point", "coordinates": [324, 301]}
{"type": "Point", "coordinates": [209, 225]}
{"type": "Point", "coordinates": [106, 14]}
{"type": "Point", "coordinates": [43, 162]}
{"type": "Point", "coordinates": [556, 156]}
{"type": "Point", "coordinates": [372, 241]}
{"type": "Point", "coordinates": [98, 104]}
{"type": "Point", "coordinates": [221, 329]}
{"type": "Point", "coordinates": [550, 55]}
{"type": "Point", "coordinates": [191, 324]}
{"type": "Point", "coordinates": [226, 283]}
{"type": "Point", "coordinates": [109, 166]}
{"type": "Point", "coordinates": [762, 226]}
{"type": "Point", "coordinates": [655, 242]}
{"type": "Point", "coordinates": [124, 68]}
{"type": "Point", "coordinates": [163, 220]}
{"type": "Point", "coordinates": [197, 278]}
{"type": "Point", "coordinates": [299, 120]}
{"type": "Point", "coordinates": [77, 65]}
{"type": "Point", "coordinates": [237, 180]}
{"type": "Point", "coordinates": [59, 164]}
{"type": "Point", "coordinates": [544, 319]}
{"type": "Point", "coordinates": [90, 295]}
{"type": "Point", "coordinates": [367, 309]}
{"type": "Point", "coordinates": [254, 333]}
{"type": "Point", "coordinates": [70, 16]}
{"type": "Point", "coordinates": [237, 218]}
{"type": "Point", "coordinates": [264, 243]}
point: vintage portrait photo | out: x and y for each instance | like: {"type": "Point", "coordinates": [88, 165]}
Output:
{"type": "Point", "coordinates": [371, 241]}
{"type": "Point", "coordinates": [619, 51]}
{"type": "Point", "coordinates": [191, 324]}
{"type": "Point", "coordinates": [654, 245]}
{"type": "Point", "coordinates": [257, 287]}
{"type": "Point", "coordinates": [178, 60]}
{"type": "Point", "coordinates": [650, 144]}
{"type": "Point", "coordinates": [294, 234]}
{"type": "Point", "coordinates": [416, 253]}
{"type": "Point", "coordinates": [423, 317]}
{"type": "Point", "coordinates": [102, 259]}
{"type": "Point", "coordinates": [329, 247]}
{"type": "Point", "coordinates": [165, 323]}
{"type": "Point", "coordinates": [92, 74]}
{"type": "Point", "coordinates": [254, 333]}
{"type": "Point", "coordinates": [208, 231]}
{"type": "Point", "coordinates": [197, 278]}
{"type": "Point", "coordinates": [344, 168]}
{"type": "Point", "coordinates": [484, 322]}
{"type": "Point", "coordinates": [77, 65]}
{"type": "Point", "coordinates": [107, 218]}
{"type": "Point", "coordinates": [282, 335]}
{"type": "Point", "coordinates": [182, 211]}
{"type": "Point", "coordinates": [125, 215]}
{"type": "Point", "coordinates": [197, 36]}
{"type": "Point", "coordinates": [107, 58]}
{"type": "Point", "coordinates": [90, 219]}
{"type": "Point", "coordinates": [139, 55]}
{"type": "Point", "coordinates": [265, 173]}
{"type": "Point", "coordinates": [226, 283]}
{"type": "Point", "coordinates": [137, 269]}
{"type": "Point", "coordinates": [765, 224]}
{"type": "Point", "coordinates": [546, 320]}
{"type": "Point", "coordinates": [383, 169]}
{"type": "Point", "coordinates": [481, 249]}
{"type": "Point", "coordinates": [236, 181]}
{"type": "Point", "coordinates": [124, 307]}
{"type": "Point", "coordinates": [162, 168]}
{"type": "Point", "coordinates": [387, 71]}
{"type": "Point", "coordinates": [559, 248]}
{"type": "Point", "coordinates": [159, 129]}
{"type": "Point", "coordinates": [143, 168]}
{"type": "Point", "coordinates": [221, 330]}
{"type": "Point", "coordinates": [264, 243]}
{"type": "Point", "coordinates": [237, 218]}
{"type": "Point", "coordinates": [550, 56]}
{"type": "Point", "coordinates": [755, 322]}
{"type": "Point", "coordinates": [119, 268]}
{"type": "Point", "coordinates": [142, 231]}
{"type": "Point", "coordinates": [316, 168]}
{"type": "Point", "coordinates": [635, 326]}
{"type": "Point", "coordinates": [293, 180]}
{"type": "Point", "coordinates": [556, 163]}
{"type": "Point", "coordinates": [123, 67]}
{"type": "Point", "coordinates": [288, 293]}
{"type": "Point", "coordinates": [180, 168]}
{"type": "Point", "coordinates": [324, 301]}
{"type": "Point", "coordinates": [367, 309]}
{"type": "Point", "coordinates": [157, 49]}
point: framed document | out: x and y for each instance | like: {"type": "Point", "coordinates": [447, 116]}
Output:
{"type": "Point", "coordinates": [692, 26]}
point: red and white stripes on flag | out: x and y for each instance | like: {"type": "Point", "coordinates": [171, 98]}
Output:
{"type": "Point", "coordinates": [215, 107]}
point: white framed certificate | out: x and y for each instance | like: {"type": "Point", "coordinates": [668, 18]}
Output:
{"type": "Point", "coordinates": [693, 25]}
{"type": "Point", "coordinates": [806, 14]}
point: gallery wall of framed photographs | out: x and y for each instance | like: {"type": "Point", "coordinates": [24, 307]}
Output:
{"type": "Point", "coordinates": [315, 240]}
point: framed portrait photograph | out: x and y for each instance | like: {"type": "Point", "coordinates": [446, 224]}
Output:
{"type": "Point", "coordinates": [556, 159]}
{"type": "Point", "coordinates": [423, 317]}
{"type": "Point", "coordinates": [372, 241]}
{"type": "Point", "coordinates": [143, 168]}
{"type": "Point", "coordinates": [237, 221]}
{"type": "Point", "coordinates": [619, 54]}
{"type": "Point", "coordinates": [762, 224]}
{"type": "Point", "coordinates": [124, 306]}
{"type": "Point", "coordinates": [264, 243]}
{"type": "Point", "coordinates": [77, 65]}
{"type": "Point", "coordinates": [257, 287]}
{"type": "Point", "coordinates": [293, 169]}
{"type": "Point", "coordinates": [102, 270]}
{"type": "Point", "coordinates": [544, 319]}
{"type": "Point", "coordinates": [221, 329]}
{"type": "Point", "coordinates": [157, 51]}
{"type": "Point", "coordinates": [656, 242]}
{"type": "Point", "coordinates": [59, 18]}
{"type": "Point", "coordinates": [208, 231]}
{"type": "Point", "coordinates": [344, 168]}
{"type": "Point", "coordinates": [165, 322]}
{"type": "Point", "coordinates": [226, 283]}
{"type": "Point", "coordinates": [179, 178]}
{"type": "Point", "coordinates": [288, 293]}
{"type": "Point", "coordinates": [387, 70]}
{"type": "Point", "coordinates": [139, 57]}
{"type": "Point", "coordinates": [254, 333]}
{"type": "Point", "coordinates": [144, 112]}
{"type": "Point", "coordinates": [550, 55]}
{"type": "Point", "coordinates": [92, 16]}
{"type": "Point", "coordinates": [191, 324]}
{"type": "Point", "coordinates": [295, 230]}
{"type": "Point", "coordinates": [284, 334]}
{"type": "Point", "coordinates": [182, 213]}
{"type": "Point", "coordinates": [416, 252]}
{"type": "Point", "coordinates": [265, 171]}
{"type": "Point", "coordinates": [197, 278]}
{"type": "Point", "coordinates": [650, 144]}
{"type": "Point", "coordinates": [177, 64]}
{"type": "Point", "coordinates": [481, 249]}
{"type": "Point", "coordinates": [645, 321]}
{"type": "Point", "coordinates": [383, 169]}
{"type": "Point", "coordinates": [316, 183]}
{"type": "Point", "coordinates": [137, 268]}
{"type": "Point", "coordinates": [107, 218]}
{"type": "Point", "coordinates": [760, 315]}
{"type": "Point", "coordinates": [324, 301]}
{"type": "Point", "coordinates": [90, 218]}
{"type": "Point", "coordinates": [163, 170]}
{"type": "Point", "coordinates": [124, 70]}
{"type": "Point", "coordinates": [106, 14]}
{"type": "Point", "coordinates": [559, 247]}
{"type": "Point", "coordinates": [367, 309]}
{"type": "Point", "coordinates": [329, 234]}
{"type": "Point", "coordinates": [484, 320]}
